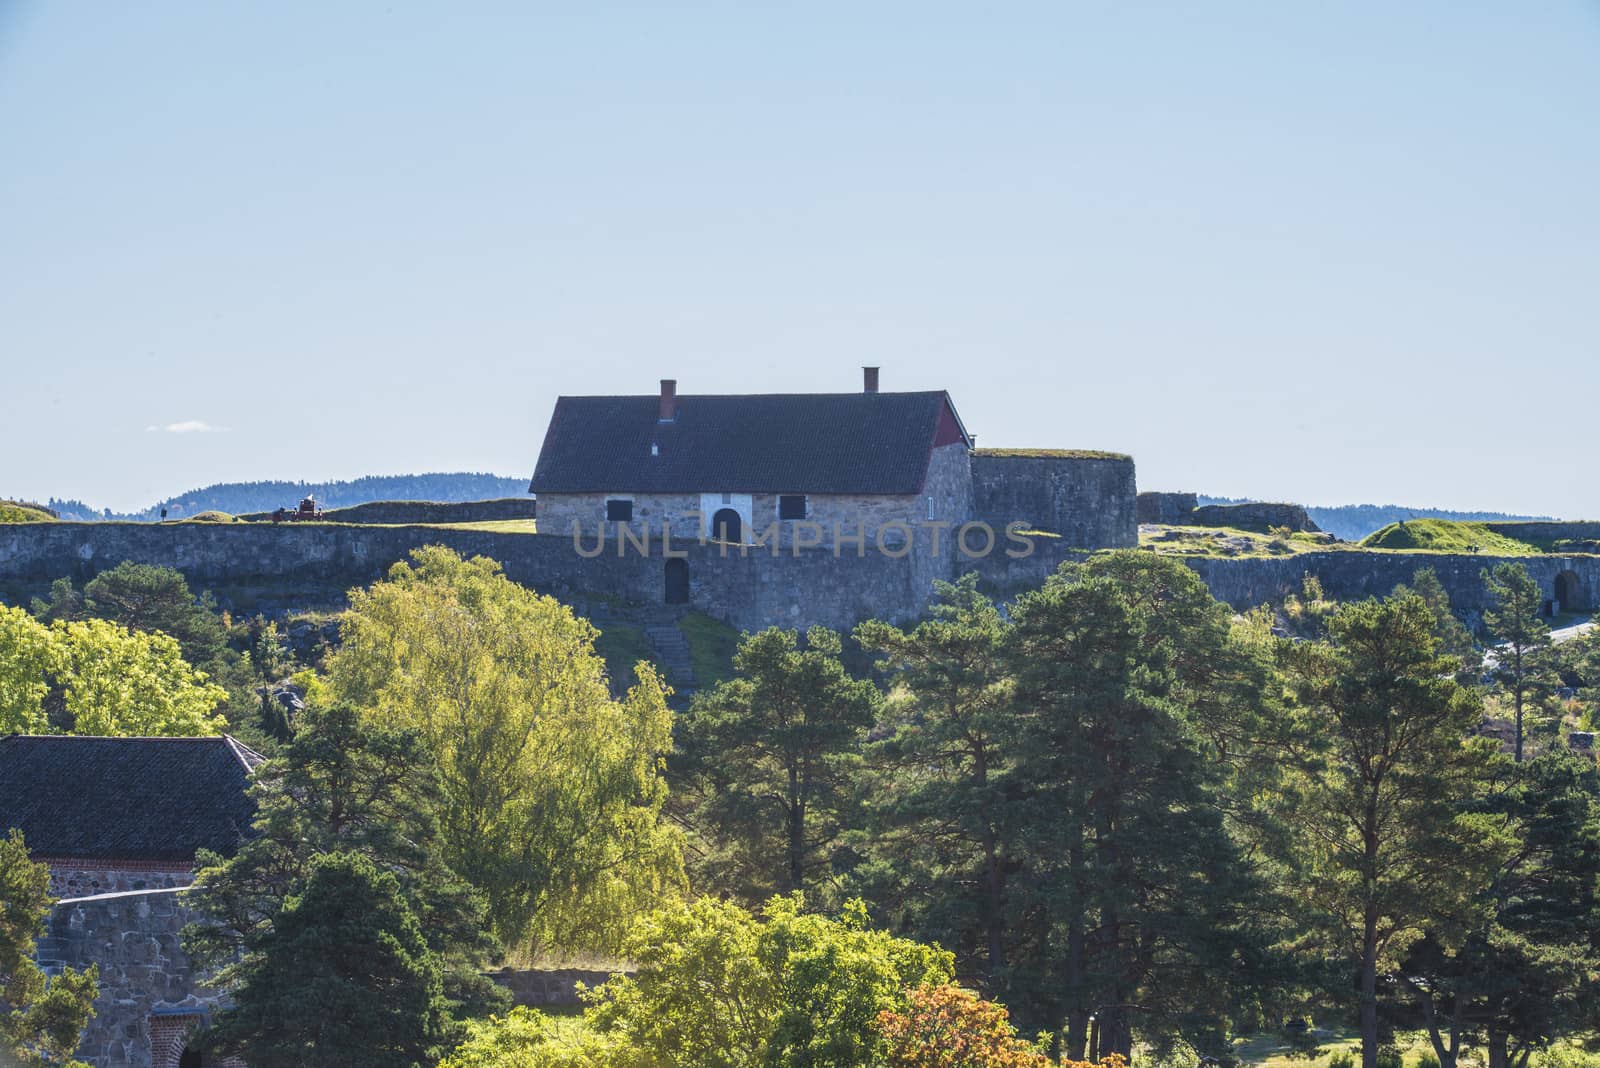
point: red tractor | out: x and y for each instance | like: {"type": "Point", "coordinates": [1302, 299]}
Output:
{"type": "Point", "coordinates": [308, 512]}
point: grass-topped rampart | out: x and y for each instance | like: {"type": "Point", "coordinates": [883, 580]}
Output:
{"type": "Point", "coordinates": [1447, 536]}
{"type": "Point", "coordinates": [1052, 454]}
{"type": "Point", "coordinates": [20, 512]}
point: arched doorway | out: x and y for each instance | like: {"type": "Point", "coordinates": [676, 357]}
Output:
{"type": "Point", "coordinates": [677, 581]}
{"type": "Point", "coordinates": [727, 526]}
{"type": "Point", "coordinates": [190, 1058]}
{"type": "Point", "coordinates": [1569, 592]}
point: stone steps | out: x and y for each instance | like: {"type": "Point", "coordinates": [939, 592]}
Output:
{"type": "Point", "coordinates": [671, 650]}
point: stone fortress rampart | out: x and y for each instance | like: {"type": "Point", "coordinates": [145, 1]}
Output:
{"type": "Point", "coordinates": [497, 509]}
{"type": "Point", "coordinates": [1085, 498]}
{"type": "Point", "coordinates": [314, 564]}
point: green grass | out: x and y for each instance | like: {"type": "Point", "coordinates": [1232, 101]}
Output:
{"type": "Point", "coordinates": [1446, 536]}
{"type": "Point", "coordinates": [1054, 454]}
{"type": "Point", "coordinates": [496, 526]}
{"type": "Point", "coordinates": [621, 646]}
{"type": "Point", "coordinates": [212, 516]}
{"type": "Point", "coordinates": [711, 647]}
{"type": "Point", "coordinates": [17, 512]}
{"type": "Point", "coordinates": [1272, 1051]}
{"type": "Point", "coordinates": [1231, 542]}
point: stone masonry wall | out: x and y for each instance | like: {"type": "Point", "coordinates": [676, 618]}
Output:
{"type": "Point", "coordinates": [1349, 576]}
{"type": "Point", "coordinates": [748, 589]}
{"type": "Point", "coordinates": [1089, 500]}
{"type": "Point", "coordinates": [1168, 509]}
{"type": "Point", "coordinates": [1259, 516]}
{"type": "Point", "coordinates": [82, 878]}
{"type": "Point", "coordinates": [144, 973]}
{"type": "Point", "coordinates": [542, 988]}
{"type": "Point", "coordinates": [1542, 532]}
{"type": "Point", "coordinates": [496, 509]}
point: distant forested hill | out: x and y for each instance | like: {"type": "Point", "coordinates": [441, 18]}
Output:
{"type": "Point", "coordinates": [1352, 522]}
{"type": "Point", "coordinates": [237, 497]}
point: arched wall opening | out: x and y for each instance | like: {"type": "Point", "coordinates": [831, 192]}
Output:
{"type": "Point", "coordinates": [727, 526]}
{"type": "Point", "coordinates": [1569, 593]}
{"type": "Point", "coordinates": [677, 581]}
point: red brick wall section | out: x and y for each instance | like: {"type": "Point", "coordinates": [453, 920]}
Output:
{"type": "Point", "coordinates": [169, 1036]}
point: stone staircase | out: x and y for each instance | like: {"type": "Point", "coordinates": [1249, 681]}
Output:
{"type": "Point", "coordinates": [671, 650]}
{"type": "Point", "coordinates": [668, 647]}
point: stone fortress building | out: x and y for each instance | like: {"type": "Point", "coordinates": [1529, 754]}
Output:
{"type": "Point", "coordinates": [897, 472]}
{"type": "Point", "coordinates": [119, 821]}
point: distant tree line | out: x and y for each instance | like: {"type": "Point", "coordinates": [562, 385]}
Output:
{"type": "Point", "coordinates": [265, 496]}
{"type": "Point", "coordinates": [1352, 522]}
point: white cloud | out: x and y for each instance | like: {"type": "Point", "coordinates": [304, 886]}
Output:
{"type": "Point", "coordinates": [188, 426]}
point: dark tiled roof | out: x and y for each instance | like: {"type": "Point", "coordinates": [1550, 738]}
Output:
{"type": "Point", "coordinates": [869, 443]}
{"type": "Point", "coordinates": [155, 799]}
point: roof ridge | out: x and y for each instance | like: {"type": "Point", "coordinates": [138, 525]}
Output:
{"type": "Point", "coordinates": [730, 396]}
{"type": "Point", "coordinates": [124, 737]}
{"type": "Point", "coordinates": [244, 753]}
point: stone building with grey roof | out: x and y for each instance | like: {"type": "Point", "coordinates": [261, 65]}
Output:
{"type": "Point", "coordinates": [120, 821]}
{"type": "Point", "coordinates": [896, 473]}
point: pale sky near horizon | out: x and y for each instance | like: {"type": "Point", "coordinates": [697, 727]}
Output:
{"type": "Point", "coordinates": [1320, 252]}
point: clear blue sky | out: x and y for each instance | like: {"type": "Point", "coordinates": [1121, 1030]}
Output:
{"type": "Point", "coordinates": [1322, 252]}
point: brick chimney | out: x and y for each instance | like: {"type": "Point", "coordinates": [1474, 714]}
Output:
{"type": "Point", "coordinates": [669, 400]}
{"type": "Point", "coordinates": [869, 380]}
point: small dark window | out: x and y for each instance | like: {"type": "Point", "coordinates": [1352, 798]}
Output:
{"type": "Point", "coordinates": [792, 506]}
{"type": "Point", "coordinates": [619, 511]}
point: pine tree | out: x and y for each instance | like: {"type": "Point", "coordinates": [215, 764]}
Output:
{"type": "Point", "coordinates": [1382, 770]}
{"type": "Point", "coordinates": [1454, 637]}
{"type": "Point", "coordinates": [147, 598]}
{"type": "Point", "coordinates": [937, 773]}
{"type": "Point", "coordinates": [1132, 904]}
{"type": "Point", "coordinates": [1521, 664]}
{"type": "Point", "coordinates": [776, 751]}
{"type": "Point", "coordinates": [40, 1018]}
{"type": "Point", "coordinates": [344, 978]}
{"type": "Point", "coordinates": [1526, 974]}
{"type": "Point", "coordinates": [350, 786]}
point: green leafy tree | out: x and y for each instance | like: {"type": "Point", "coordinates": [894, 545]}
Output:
{"type": "Point", "coordinates": [95, 677]}
{"type": "Point", "coordinates": [343, 978]}
{"type": "Point", "coordinates": [717, 986]}
{"type": "Point", "coordinates": [938, 774]}
{"type": "Point", "coordinates": [1133, 903]}
{"type": "Point", "coordinates": [552, 788]}
{"type": "Point", "coordinates": [346, 785]}
{"type": "Point", "coordinates": [776, 751]}
{"type": "Point", "coordinates": [527, 1038]}
{"type": "Point", "coordinates": [117, 681]}
{"type": "Point", "coordinates": [147, 598]}
{"type": "Point", "coordinates": [1382, 768]}
{"type": "Point", "coordinates": [1521, 663]}
{"type": "Point", "coordinates": [1527, 976]}
{"type": "Point", "coordinates": [947, 1026]}
{"type": "Point", "coordinates": [28, 657]}
{"type": "Point", "coordinates": [40, 1018]}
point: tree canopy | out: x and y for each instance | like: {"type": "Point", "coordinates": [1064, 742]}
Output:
{"type": "Point", "coordinates": [552, 788]}
{"type": "Point", "coordinates": [95, 677]}
{"type": "Point", "coordinates": [40, 1018]}
{"type": "Point", "coordinates": [344, 978]}
{"type": "Point", "coordinates": [773, 752]}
